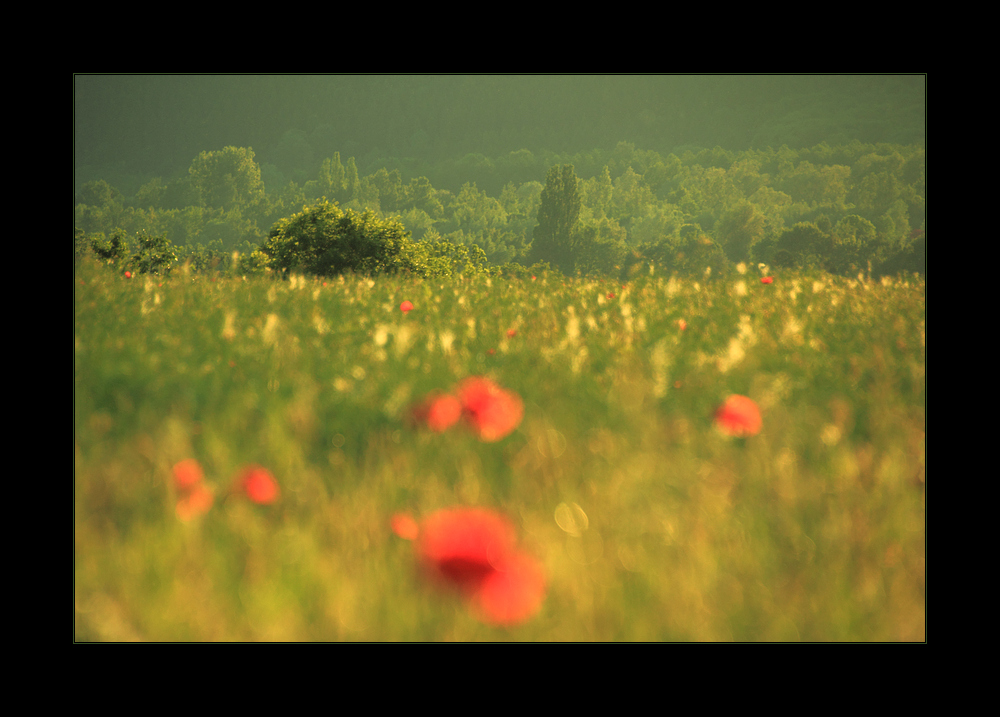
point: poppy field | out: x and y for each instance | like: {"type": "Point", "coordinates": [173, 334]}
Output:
{"type": "Point", "coordinates": [549, 459]}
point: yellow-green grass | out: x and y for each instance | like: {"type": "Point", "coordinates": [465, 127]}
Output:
{"type": "Point", "coordinates": [650, 523]}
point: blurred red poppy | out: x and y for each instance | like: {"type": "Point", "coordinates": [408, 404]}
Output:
{"type": "Point", "coordinates": [187, 474]}
{"type": "Point", "coordinates": [259, 485]}
{"type": "Point", "coordinates": [767, 280]}
{"type": "Point", "coordinates": [682, 324]}
{"type": "Point", "coordinates": [512, 593]}
{"type": "Point", "coordinates": [511, 333]}
{"type": "Point", "coordinates": [611, 294]}
{"type": "Point", "coordinates": [195, 503]}
{"type": "Point", "coordinates": [492, 411]}
{"type": "Point", "coordinates": [439, 412]}
{"type": "Point", "coordinates": [406, 306]}
{"type": "Point", "coordinates": [739, 416]}
{"type": "Point", "coordinates": [473, 549]}
{"type": "Point", "coordinates": [128, 274]}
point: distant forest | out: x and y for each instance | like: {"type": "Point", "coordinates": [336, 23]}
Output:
{"type": "Point", "coordinates": [787, 170]}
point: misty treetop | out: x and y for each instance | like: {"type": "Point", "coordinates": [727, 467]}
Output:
{"type": "Point", "coordinates": [837, 207]}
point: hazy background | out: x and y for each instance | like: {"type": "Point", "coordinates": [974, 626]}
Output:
{"type": "Point", "coordinates": [129, 128]}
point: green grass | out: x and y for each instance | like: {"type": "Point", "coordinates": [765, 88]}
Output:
{"type": "Point", "coordinates": [811, 530]}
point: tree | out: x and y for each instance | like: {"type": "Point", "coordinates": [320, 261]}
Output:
{"type": "Point", "coordinates": [554, 238]}
{"type": "Point", "coordinates": [631, 197]}
{"type": "Point", "coordinates": [332, 180]}
{"type": "Point", "coordinates": [228, 179]}
{"type": "Point", "coordinates": [99, 194]}
{"type": "Point", "coordinates": [389, 188]}
{"type": "Point", "coordinates": [739, 229]}
{"type": "Point", "coordinates": [854, 240]}
{"type": "Point", "coordinates": [603, 249]}
{"type": "Point", "coordinates": [876, 193]}
{"type": "Point", "coordinates": [598, 192]}
{"type": "Point", "coordinates": [421, 195]}
{"type": "Point", "coordinates": [324, 240]}
{"type": "Point", "coordinates": [805, 244]}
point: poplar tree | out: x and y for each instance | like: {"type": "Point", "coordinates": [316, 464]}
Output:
{"type": "Point", "coordinates": [555, 239]}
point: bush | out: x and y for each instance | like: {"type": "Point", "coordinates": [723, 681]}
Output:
{"type": "Point", "coordinates": [251, 264]}
{"type": "Point", "coordinates": [152, 254]}
{"type": "Point", "coordinates": [324, 240]}
{"type": "Point", "coordinates": [155, 254]}
{"type": "Point", "coordinates": [113, 250]}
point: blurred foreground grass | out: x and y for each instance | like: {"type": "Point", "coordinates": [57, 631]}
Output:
{"type": "Point", "coordinates": [651, 525]}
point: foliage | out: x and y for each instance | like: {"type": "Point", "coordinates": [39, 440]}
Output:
{"type": "Point", "coordinates": [629, 200]}
{"type": "Point", "coordinates": [227, 179]}
{"type": "Point", "coordinates": [803, 245]}
{"type": "Point", "coordinates": [251, 263]}
{"type": "Point", "coordinates": [854, 244]}
{"type": "Point", "coordinates": [323, 240]}
{"type": "Point", "coordinates": [205, 258]}
{"type": "Point", "coordinates": [739, 229]}
{"type": "Point", "coordinates": [146, 254]}
{"type": "Point", "coordinates": [154, 254]}
{"type": "Point", "coordinates": [554, 239]}
{"type": "Point", "coordinates": [112, 250]}
{"type": "Point", "coordinates": [467, 259]}
{"type": "Point", "coordinates": [598, 255]}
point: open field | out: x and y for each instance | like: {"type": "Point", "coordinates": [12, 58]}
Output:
{"type": "Point", "coordinates": [648, 522]}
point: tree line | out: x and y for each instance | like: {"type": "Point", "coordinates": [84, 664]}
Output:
{"type": "Point", "coordinates": [842, 208]}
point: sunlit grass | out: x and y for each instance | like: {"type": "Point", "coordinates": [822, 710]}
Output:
{"type": "Point", "coordinates": [649, 522]}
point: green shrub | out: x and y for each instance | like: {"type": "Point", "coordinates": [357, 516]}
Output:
{"type": "Point", "coordinates": [155, 255]}
{"type": "Point", "coordinates": [253, 263]}
{"type": "Point", "coordinates": [147, 255]}
{"type": "Point", "coordinates": [325, 241]}
{"type": "Point", "coordinates": [112, 250]}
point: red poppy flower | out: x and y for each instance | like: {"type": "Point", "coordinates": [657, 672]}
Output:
{"type": "Point", "coordinates": [492, 411]}
{"type": "Point", "coordinates": [767, 280]}
{"type": "Point", "coordinates": [406, 306]}
{"type": "Point", "coordinates": [128, 274]}
{"type": "Point", "coordinates": [513, 592]}
{"type": "Point", "coordinates": [195, 503]}
{"type": "Point", "coordinates": [259, 485]}
{"type": "Point", "coordinates": [187, 474]}
{"type": "Point", "coordinates": [511, 333]}
{"type": "Point", "coordinates": [682, 324]}
{"type": "Point", "coordinates": [739, 417]}
{"type": "Point", "coordinates": [438, 412]}
{"type": "Point", "coordinates": [611, 294]}
{"type": "Point", "coordinates": [473, 549]}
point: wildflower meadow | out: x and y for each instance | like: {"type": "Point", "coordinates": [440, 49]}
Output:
{"type": "Point", "coordinates": [734, 458]}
